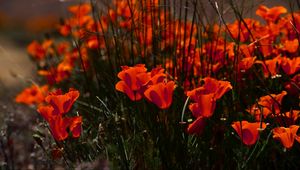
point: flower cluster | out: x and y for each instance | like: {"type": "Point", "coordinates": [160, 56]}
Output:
{"type": "Point", "coordinates": [54, 113]}
{"type": "Point", "coordinates": [204, 99]}
{"type": "Point", "coordinates": [137, 83]}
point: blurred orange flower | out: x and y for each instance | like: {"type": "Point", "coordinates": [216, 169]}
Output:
{"type": "Point", "coordinates": [32, 95]}
{"type": "Point", "coordinates": [270, 14]}
{"type": "Point", "coordinates": [37, 50]}
{"type": "Point", "coordinates": [81, 9]}
{"type": "Point", "coordinates": [291, 45]}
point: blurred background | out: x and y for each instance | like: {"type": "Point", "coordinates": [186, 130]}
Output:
{"type": "Point", "coordinates": [20, 23]}
{"type": "Point", "coordinates": [23, 21]}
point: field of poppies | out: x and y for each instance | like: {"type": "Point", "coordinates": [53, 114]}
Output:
{"type": "Point", "coordinates": [160, 84]}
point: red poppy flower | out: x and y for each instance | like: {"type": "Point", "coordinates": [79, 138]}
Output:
{"type": "Point", "coordinates": [47, 112]}
{"type": "Point", "coordinates": [132, 80]}
{"type": "Point", "coordinates": [75, 126]}
{"type": "Point", "coordinates": [58, 127]}
{"type": "Point", "coordinates": [248, 132]}
{"type": "Point", "coordinates": [286, 135]}
{"type": "Point", "coordinates": [62, 103]}
{"type": "Point", "coordinates": [205, 106]}
{"type": "Point", "coordinates": [211, 85]}
{"type": "Point", "coordinates": [157, 75]}
{"type": "Point", "coordinates": [161, 94]}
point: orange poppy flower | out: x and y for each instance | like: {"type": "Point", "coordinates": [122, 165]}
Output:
{"type": "Point", "coordinates": [290, 66]}
{"type": "Point", "coordinates": [95, 42]}
{"type": "Point", "coordinates": [161, 94]}
{"type": "Point", "coordinates": [291, 45]}
{"type": "Point", "coordinates": [47, 112]}
{"type": "Point", "coordinates": [286, 135]}
{"type": "Point", "coordinates": [62, 103]}
{"type": "Point", "coordinates": [292, 87]}
{"type": "Point", "coordinates": [123, 8]}
{"type": "Point", "coordinates": [157, 75]}
{"type": "Point", "coordinates": [288, 118]}
{"type": "Point", "coordinates": [61, 72]}
{"type": "Point", "coordinates": [205, 106]}
{"type": "Point", "coordinates": [248, 132]}
{"type": "Point", "coordinates": [270, 14]}
{"type": "Point", "coordinates": [75, 126]}
{"type": "Point", "coordinates": [218, 87]}
{"type": "Point", "coordinates": [247, 50]}
{"type": "Point", "coordinates": [197, 126]}
{"type": "Point", "coordinates": [65, 29]}
{"type": "Point", "coordinates": [37, 50]}
{"type": "Point", "coordinates": [271, 66]}
{"type": "Point", "coordinates": [80, 10]}
{"type": "Point", "coordinates": [266, 47]}
{"type": "Point", "coordinates": [32, 95]}
{"type": "Point", "coordinates": [131, 83]}
{"type": "Point", "coordinates": [80, 21]}
{"type": "Point", "coordinates": [266, 105]}
{"type": "Point", "coordinates": [246, 63]}
{"type": "Point", "coordinates": [239, 30]}
{"type": "Point", "coordinates": [58, 127]}
{"type": "Point", "coordinates": [206, 96]}
{"type": "Point", "coordinates": [63, 47]}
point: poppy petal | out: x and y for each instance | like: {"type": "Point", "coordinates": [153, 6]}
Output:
{"type": "Point", "coordinates": [197, 126]}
